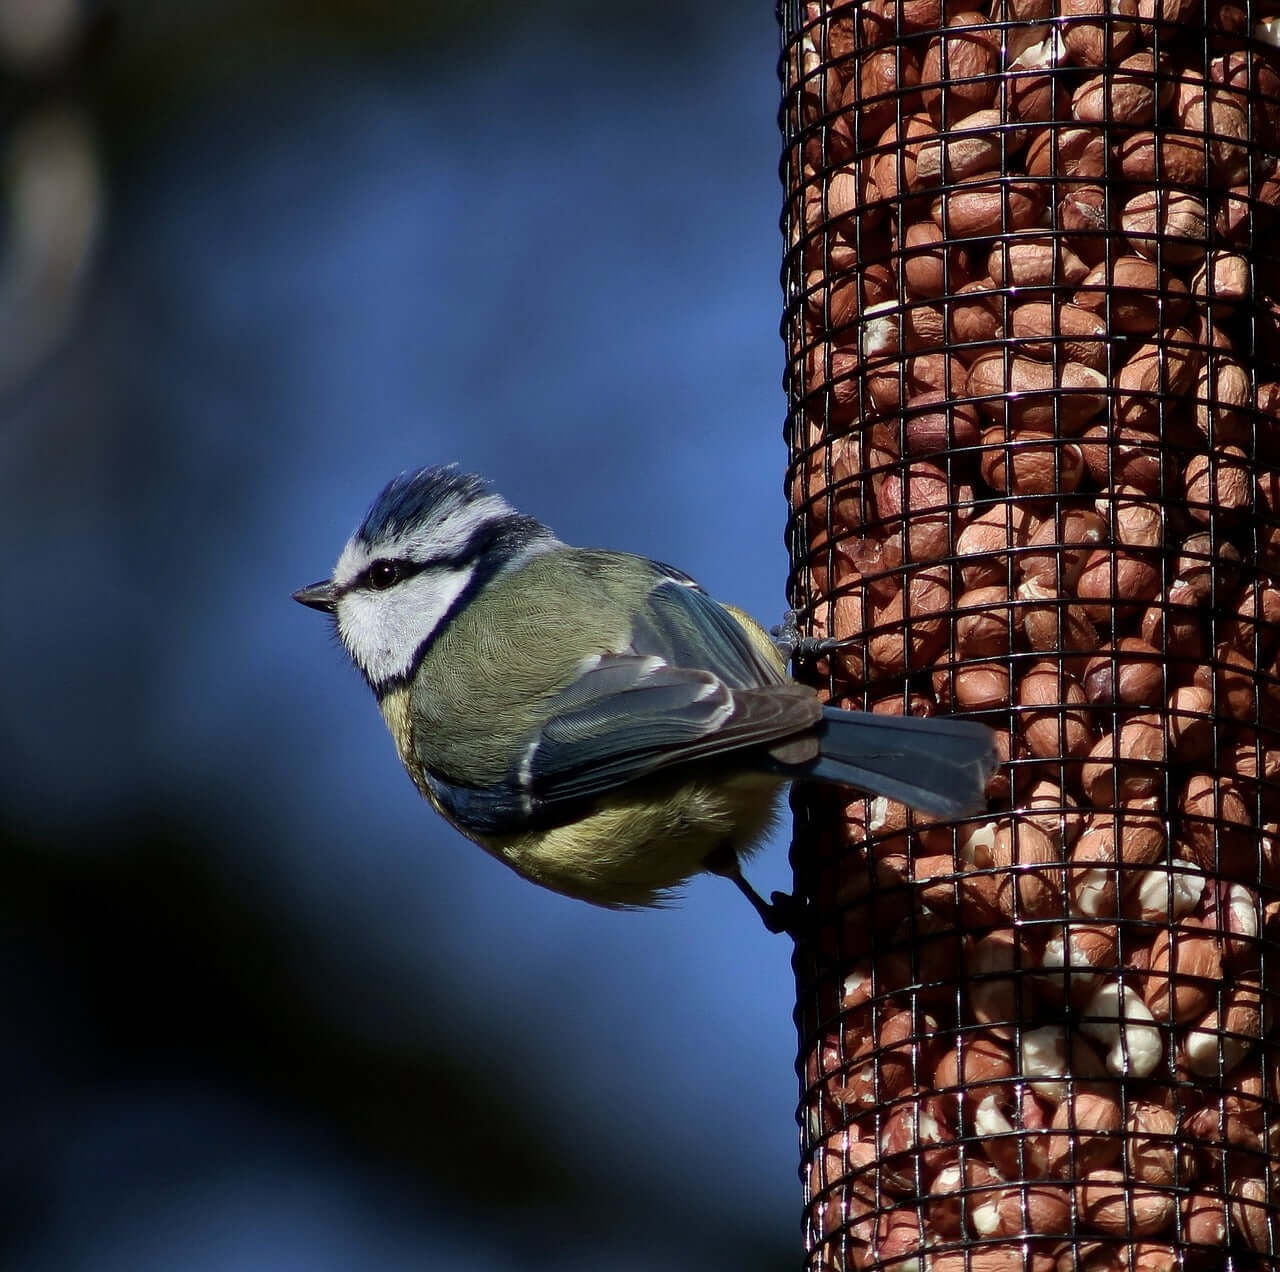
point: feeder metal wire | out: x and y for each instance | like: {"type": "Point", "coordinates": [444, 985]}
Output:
{"type": "Point", "coordinates": [1032, 320]}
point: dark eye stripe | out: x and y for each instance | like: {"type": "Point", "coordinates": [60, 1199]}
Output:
{"type": "Point", "coordinates": [405, 569]}
{"type": "Point", "coordinates": [477, 544]}
{"type": "Point", "coordinates": [489, 544]}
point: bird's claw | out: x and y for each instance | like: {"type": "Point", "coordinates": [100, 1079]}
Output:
{"type": "Point", "coordinates": [786, 913]}
{"type": "Point", "coordinates": [792, 645]}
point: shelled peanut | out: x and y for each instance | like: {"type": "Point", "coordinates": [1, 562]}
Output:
{"type": "Point", "coordinates": [1034, 366]}
{"type": "Point", "coordinates": [1034, 1095]}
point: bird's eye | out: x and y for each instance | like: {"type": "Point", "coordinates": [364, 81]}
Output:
{"type": "Point", "coordinates": [383, 574]}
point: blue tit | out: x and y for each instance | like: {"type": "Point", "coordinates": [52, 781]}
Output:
{"type": "Point", "coordinates": [594, 719]}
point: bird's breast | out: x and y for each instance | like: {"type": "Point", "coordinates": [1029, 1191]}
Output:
{"type": "Point", "coordinates": [396, 711]}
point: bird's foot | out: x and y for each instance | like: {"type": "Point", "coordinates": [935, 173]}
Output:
{"type": "Point", "coordinates": [781, 913]}
{"type": "Point", "coordinates": [784, 912]}
{"type": "Point", "coordinates": [795, 647]}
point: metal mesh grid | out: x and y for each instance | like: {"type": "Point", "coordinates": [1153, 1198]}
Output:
{"type": "Point", "coordinates": [1032, 284]}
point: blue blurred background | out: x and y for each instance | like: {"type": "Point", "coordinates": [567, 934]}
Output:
{"type": "Point", "coordinates": [262, 1010]}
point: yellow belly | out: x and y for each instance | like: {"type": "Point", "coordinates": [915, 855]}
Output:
{"type": "Point", "coordinates": [634, 847]}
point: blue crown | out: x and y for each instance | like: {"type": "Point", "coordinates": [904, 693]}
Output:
{"type": "Point", "coordinates": [409, 499]}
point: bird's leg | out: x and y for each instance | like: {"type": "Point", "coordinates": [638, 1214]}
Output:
{"type": "Point", "coordinates": [781, 913]}
{"type": "Point", "coordinates": [791, 645]}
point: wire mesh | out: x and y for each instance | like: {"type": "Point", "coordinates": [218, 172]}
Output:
{"type": "Point", "coordinates": [1032, 288]}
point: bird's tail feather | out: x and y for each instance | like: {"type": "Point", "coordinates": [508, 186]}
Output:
{"type": "Point", "coordinates": [935, 765]}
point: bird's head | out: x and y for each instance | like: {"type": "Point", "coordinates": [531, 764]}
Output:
{"type": "Point", "coordinates": [427, 545]}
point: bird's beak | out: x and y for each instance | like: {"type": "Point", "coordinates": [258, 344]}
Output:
{"type": "Point", "coordinates": [318, 596]}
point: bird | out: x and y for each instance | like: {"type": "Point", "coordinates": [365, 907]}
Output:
{"type": "Point", "coordinates": [594, 719]}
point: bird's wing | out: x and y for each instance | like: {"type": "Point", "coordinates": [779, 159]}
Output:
{"type": "Point", "coordinates": [685, 627]}
{"type": "Point", "coordinates": [688, 686]}
{"type": "Point", "coordinates": [630, 716]}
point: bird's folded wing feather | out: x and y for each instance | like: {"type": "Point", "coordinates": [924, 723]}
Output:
{"type": "Point", "coordinates": [689, 686]}
{"type": "Point", "coordinates": [685, 627]}
{"type": "Point", "coordinates": [595, 741]}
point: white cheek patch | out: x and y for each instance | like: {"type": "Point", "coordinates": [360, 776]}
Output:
{"type": "Point", "coordinates": [383, 630]}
